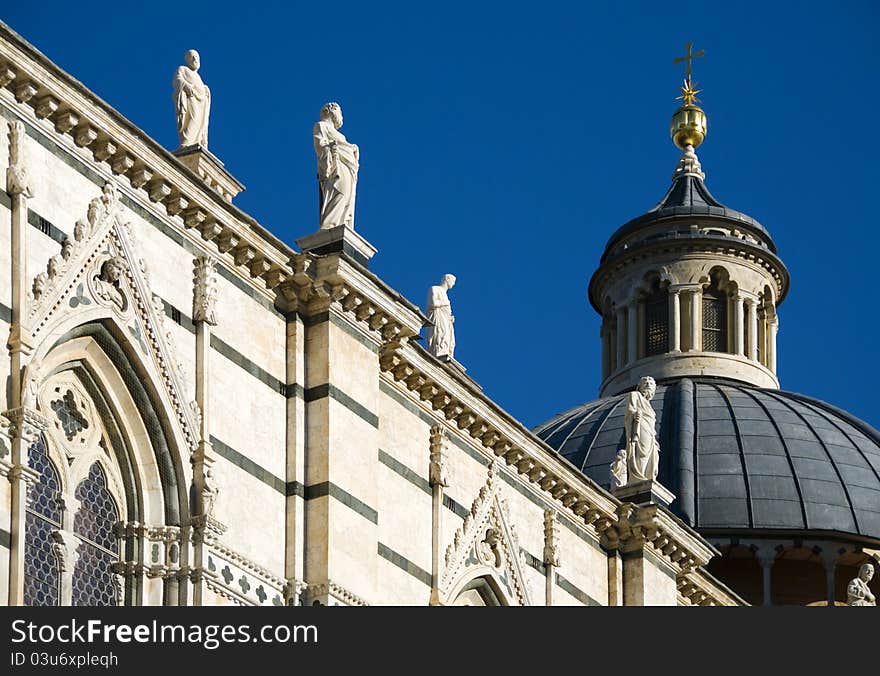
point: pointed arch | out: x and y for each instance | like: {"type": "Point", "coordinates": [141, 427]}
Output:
{"type": "Point", "coordinates": [148, 449]}
{"type": "Point", "coordinates": [480, 584]}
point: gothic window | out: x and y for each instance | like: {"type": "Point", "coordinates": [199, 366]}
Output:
{"type": "Point", "coordinates": [93, 579]}
{"type": "Point", "coordinates": [656, 322]}
{"type": "Point", "coordinates": [42, 517]}
{"type": "Point", "coordinates": [714, 320]}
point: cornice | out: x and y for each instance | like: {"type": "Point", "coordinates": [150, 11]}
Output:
{"type": "Point", "coordinates": [61, 106]}
{"type": "Point", "coordinates": [740, 250]}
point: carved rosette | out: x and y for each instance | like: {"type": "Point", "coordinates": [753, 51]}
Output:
{"type": "Point", "coordinates": [205, 290]}
{"type": "Point", "coordinates": [17, 179]}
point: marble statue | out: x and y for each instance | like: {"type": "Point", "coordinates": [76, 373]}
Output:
{"type": "Point", "coordinates": [107, 286]}
{"type": "Point", "coordinates": [441, 334]}
{"type": "Point", "coordinates": [210, 491]}
{"type": "Point", "coordinates": [857, 591]}
{"type": "Point", "coordinates": [642, 448]}
{"type": "Point", "coordinates": [193, 101]}
{"type": "Point", "coordinates": [338, 162]}
{"type": "Point", "coordinates": [618, 470]}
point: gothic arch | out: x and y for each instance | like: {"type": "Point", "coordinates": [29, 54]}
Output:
{"type": "Point", "coordinates": [138, 421]}
{"type": "Point", "coordinates": [485, 582]}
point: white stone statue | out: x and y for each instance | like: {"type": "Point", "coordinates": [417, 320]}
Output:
{"type": "Point", "coordinates": [642, 448]}
{"type": "Point", "coordinates": [618, 470]}
{"type": "Point", "coordinates": [338, 162]}
{"type": "Point", "coordinates": [193, 101]}
{"type": "Point", "coordinates": [107, 283]}
{"type": "Point", "coordinates": [441, 334]}
{"type": "Point", "coordinates": [857, 591]}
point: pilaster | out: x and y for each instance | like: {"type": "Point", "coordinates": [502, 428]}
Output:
{"type": "Point", "coordinates": [205, 489]}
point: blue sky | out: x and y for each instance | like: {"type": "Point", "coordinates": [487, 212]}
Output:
{"type": "Point", "coordinates": [504, 143]}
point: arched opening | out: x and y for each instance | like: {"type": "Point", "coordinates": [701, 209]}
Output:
{"type": "Point", "coordinates": [481, 591]}
{"type": "Point", "coordinates": [739, 569]}
{"type": "Point", "coordinates": [116, 471]}
{"type": "Point", "coordinates": [715, 317]}
{"type": "Point", "coordinates": [798, 578]}
{"type": "Point", "coordinates": [656, 333]}
{"type": "Point", "coordinates": [93, 582]}
{"type": "Point", "coordinates": [42, 575]}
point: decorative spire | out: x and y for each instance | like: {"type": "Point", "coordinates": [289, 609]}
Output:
{"type": "Point", "coordinates": [688, 128]}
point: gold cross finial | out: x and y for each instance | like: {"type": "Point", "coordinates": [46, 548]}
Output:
{"type": "Point", "coordinates": [689, 57]}
{"type": "Point", "coordinates": [688, 92]}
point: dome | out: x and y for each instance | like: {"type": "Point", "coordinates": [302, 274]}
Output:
{"type": "Point", "coordinates": [739, 457]}
{"type": "Point", "coordinates": [689, 198]}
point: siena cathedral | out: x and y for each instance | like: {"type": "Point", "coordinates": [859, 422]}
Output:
{"type": "Point", "coordinates": [156, 450]}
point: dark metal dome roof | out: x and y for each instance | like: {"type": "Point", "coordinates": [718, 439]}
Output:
{"type": "Point", "coordinates": [688, 196]}
{"type": "Point", "coordinates": [740, 457]}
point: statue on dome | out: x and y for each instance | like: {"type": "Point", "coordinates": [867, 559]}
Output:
{"type": "Point", "coordinates": [440, 334]}
{"type": "Point", "coordinates": [192, 99]}
{"type": "Point", "coordinates": [857, 591]}
{"type": "Point", "coordinates": [338, 163]}
{"type": "Point", "coordinates": [642, 447]}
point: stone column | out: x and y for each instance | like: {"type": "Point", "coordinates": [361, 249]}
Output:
{"type": "Point", "coordinates": [829, 562]}
{"type": "Point", "coordinates": [738, 325]}
{"type": "Point", "coordinates": [674, 320]}
{"type": "Point", "coordinates": [294, 561]}
{"type": "Point", "coordinates": [766, 557]}
{"type": "Point", "coordinates": [695, 298]}
{"type": "Point", "coordinates": [773, 326]}
{"type": "Point", "coordinates": [551, 553]}
{"type": "Point", "coordinates": [20, 345]}
{"type": "Point", "coordinates": [205, 489]}
{"type": "Point", "coordinates": [437, 478]}
{"type": "Point", "coordinates": [632, 331]}
{"type": "Point", "coordinates": [621, 338]}
{"type": "Point", "coordinates": [752, 305]}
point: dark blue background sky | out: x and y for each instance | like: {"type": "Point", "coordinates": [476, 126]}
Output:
{"type": "Point", "coordinates": [505, 142]}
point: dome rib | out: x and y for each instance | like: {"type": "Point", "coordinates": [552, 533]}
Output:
{"type": "Point", "coordinates": [831, 459]}
{"type": "Point", "coordinates": [806, 401]}
{"type": "Point", "coordinates": [745, 472]}
{"type": "Point", "coordinates": [791, 468]}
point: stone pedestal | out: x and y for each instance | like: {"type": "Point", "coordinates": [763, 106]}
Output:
{"type": "Point", "coordinates": [640, 492]}
{"type": "Point", "coordinates": [210, 170]}
{"type": "Point", "coordinates": [340, 239]}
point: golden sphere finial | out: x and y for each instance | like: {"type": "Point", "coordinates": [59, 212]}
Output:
{"type": "Point", "coordinates": [688, 127]}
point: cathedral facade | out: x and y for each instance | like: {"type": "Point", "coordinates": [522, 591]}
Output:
{"type": "Point", "coordinates": [196, 413]}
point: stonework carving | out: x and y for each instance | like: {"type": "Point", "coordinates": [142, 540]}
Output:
{"type": "Point", "coordinates": [688, 165]}
{"type": "Point", "coordinates": [64, 546]}
{"type": "Point", "coordinates": [210, 491]}
{"type": "Point", "coordinates": [30, 385]}
{"type": "Point", "coordinates": [551, 538]}
{"type": "Point", "coordinates": [486, 537]}
{"type": "Point", "coordinates": [618, 470]}
{"type": "Point", "coordinates": [17, 180]}
{"type": "Point", "coordinates": [103, 257]}
{"type": "Point", "coordinates": [107, 283]}
{"type": "Point", "coordinates": [338, 162]}
{"type": "Point", "coordinates": [101, 210]}
{"type": "Point", "coordinates": [858, 593]}
{"type": "Point", "coordinates": [205, 290]}
{"type": "Point", "coordinates": [192, 99]}
{"type": "Point", "coordinates": [640, 420]}
{"type": "Point", "coordinates": [441, 334]}
{"type": "Point", "coordinates": [437, 469]}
